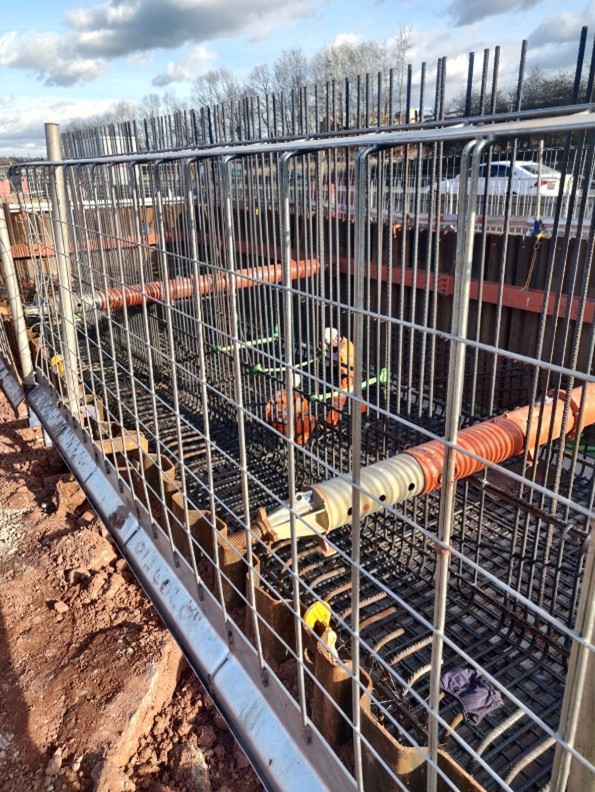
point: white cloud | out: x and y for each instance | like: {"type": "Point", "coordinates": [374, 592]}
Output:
{"type": "Point", "coordinates": [466, 12]}
{"type": "Point", "coordinates": [563, 27]}
{"type": "Point", "coordinates": [187, 68]}
{"type": "Point", "coordinates": [345, 38]}
{"type": "Point", "coordinates": [120, 27]}
{"type": "Point", "coordinates": [52, 58]}
{"type": "Point", "coordinates": [125, 28]}
{"type": "Point", "coordinates": [141, 58]}
{"type": "Point", "coordinates": [23, 117]}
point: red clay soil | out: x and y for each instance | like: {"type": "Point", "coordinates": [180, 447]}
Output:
{"type": "Point", "coordinates": [94, 694]}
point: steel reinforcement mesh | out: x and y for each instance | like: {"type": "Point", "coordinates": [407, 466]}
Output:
{"type": "Point", "coordinates": [492, 525]}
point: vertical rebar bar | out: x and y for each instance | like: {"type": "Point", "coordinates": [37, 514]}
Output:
{"type": "Point", "coordinates": [225, 174]}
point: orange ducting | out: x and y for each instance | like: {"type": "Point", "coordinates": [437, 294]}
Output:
{"type": "Point", "coordinates": [506, 436]}
{"type": "Point", "coordinates": [207, 284]}
{"type": "Point", "coordinates": [419, 470]}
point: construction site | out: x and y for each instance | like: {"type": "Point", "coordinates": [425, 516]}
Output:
{"type": "Point", "coordinates": [331, 391]}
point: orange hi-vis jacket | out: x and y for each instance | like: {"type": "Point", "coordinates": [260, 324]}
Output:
{"type": "Point", "coordinates": [342, 352]}
{"type": "Point", "coordinates": [304, 421]}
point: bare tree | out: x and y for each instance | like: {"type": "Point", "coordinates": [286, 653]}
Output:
{"type": "Point", "coordinates": [400, 46]}
{"type": "Point", "coordinates": [121, 112]}
{"type": "Point", "coordinates": [259, 87]}
{"type": "Point", "coordinates": [260, 81]}
{"type": "Point", "coordinates": [290, 75]}
{"type": "Point", "coordinates": [150, 106]}
{"type": "Point", "coordinates": [172, 102]}
{"type": "Point", "coordinates": [290, 71]}
{"type": "Point", "coordinates": [215, 87]}
{"type": "Point", "coordinates": [348, 59]}
{"type": "Point", "coordinates": [342, 63]}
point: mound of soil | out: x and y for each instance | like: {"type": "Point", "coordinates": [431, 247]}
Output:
{"type": "Point", "coordinates": [95, 695]}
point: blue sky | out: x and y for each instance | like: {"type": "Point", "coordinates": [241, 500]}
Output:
{"type": "Point", "coordinates": [58, 64]}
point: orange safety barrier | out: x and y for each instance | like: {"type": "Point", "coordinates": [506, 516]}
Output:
{"type": "Point", "coordinates": [506, 436]}
{"type": "Point", "coordinates": [207, 284]}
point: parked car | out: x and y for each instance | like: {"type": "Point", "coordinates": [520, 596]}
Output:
{"type": "Point", "coordinates": [528, 178]}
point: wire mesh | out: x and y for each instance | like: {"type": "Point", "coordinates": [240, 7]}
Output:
{"type": "Point", "coordinates": [249, 348]}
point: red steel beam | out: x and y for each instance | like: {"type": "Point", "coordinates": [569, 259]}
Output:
{"type": "Point", "coordinates": [529, 300]}
{"type": "Point", "coordinates": [105, 243]}
{"type": "Point", "coordinates": [31, 251]}
{"type": "Point", "coordinates": [516, 297]}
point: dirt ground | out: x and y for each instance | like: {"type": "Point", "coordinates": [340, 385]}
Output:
{"type": "Point", "coordinates": [94, 694]}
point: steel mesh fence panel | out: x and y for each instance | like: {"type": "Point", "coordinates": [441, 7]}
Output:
{"type": "Point", "coordinates": [365, 451]}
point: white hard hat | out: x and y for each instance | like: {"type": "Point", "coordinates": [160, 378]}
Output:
{"type": "Point", "coordinates": [330, 334]}
{"type": "Point", "coordinates": [297, 380]}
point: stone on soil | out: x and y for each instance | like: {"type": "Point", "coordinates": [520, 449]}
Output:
{"type": "Point", "coordinates": [109, 778]}
{"type": "Point", "coordinates": [189, 768]}
{"type": "Point", "coordinates": [55, 763]}
{"type": "Point", "coordinates": [128, 716]}
{"type": "Point", "coordinates": [85, 550]}
{"type": "Point", "coordinates": [207, 737]}
{"type": "Point", "coordinates": [68, 496]}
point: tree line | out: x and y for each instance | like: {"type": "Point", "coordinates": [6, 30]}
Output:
{"type": "Point", "coordinates": [539, 89]}
{"type": "Point", "coordinates": [289, 75]}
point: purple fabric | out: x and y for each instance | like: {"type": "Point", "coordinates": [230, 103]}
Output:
{"type": "Point", "coordinates": [476, 696]}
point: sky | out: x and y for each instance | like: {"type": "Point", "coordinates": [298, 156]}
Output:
{"type": "Point", "coordinates": [76, 58]}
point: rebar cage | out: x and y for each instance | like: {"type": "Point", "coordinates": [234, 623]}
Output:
{"type": "Point", "coordinates": [357, 428]}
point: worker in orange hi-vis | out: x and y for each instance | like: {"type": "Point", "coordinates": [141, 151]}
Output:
{"type": "Point", "coordinates": [339, 353]}
{"type": "Point", "coordinates": [303, 420]}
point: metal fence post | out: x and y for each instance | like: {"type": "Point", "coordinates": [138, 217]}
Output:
{"type": "Point", "coordinates": [539, 172]}
{"type": "Point", "coordinates": [361, 216]}
{"type": "Point", "coordinates": [225, 167]}
{"type": "Point", "coordinates": [14, 299]}
{"type": "Point", "coordinates": [59, 205]}
{"type": "Point", "coordinates": [576, 717]}
{"type": "Point", "coordinates": [460, 315]}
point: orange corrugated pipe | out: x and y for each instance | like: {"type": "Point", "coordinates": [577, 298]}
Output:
{"type": "Point", "coordinates": [207, 284]}
{"type": "Point", "coordinates": [328, 506]}
{"type": "Point", "coordinates": [506, 436]}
